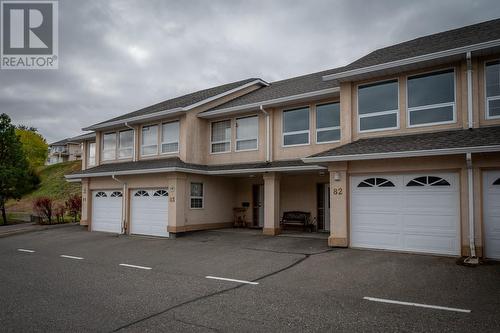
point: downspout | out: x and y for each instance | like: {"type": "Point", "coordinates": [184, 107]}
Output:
{"type": "Point", "coordinates": [469, 91]}
{"type": "Point", "coordinates": [268, 138]}
{"type": "Point", "coordinates": [134, 152]}
{"type": "Point", "coordinates": [124, 191]}
{"type": "Point", "coordinates": [472, 259]}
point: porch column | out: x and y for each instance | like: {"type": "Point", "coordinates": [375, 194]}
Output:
{"type": "Point", "coordinates": [338, 205]}
{"type": "Point", "coordinates": [271, 204]}
{"type": "Point", "coordinates": [86, 202]}
{"type": "Point", "coordinates": [178, 200]}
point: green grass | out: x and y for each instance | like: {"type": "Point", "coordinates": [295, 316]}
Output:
{"type": "Point", "coordinates": [52, 184]}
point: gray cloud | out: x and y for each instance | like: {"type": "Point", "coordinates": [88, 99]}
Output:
{"type": "Point", "coordinates": [118, 56]}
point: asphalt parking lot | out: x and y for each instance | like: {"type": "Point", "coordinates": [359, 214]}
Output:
{"type": "Point", "coordinates": [72, 280]}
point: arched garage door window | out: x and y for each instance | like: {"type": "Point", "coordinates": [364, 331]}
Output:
{"type": "Point", "coordinates": [101, 195]}
{"type": "Point", "coordinates": [376, 182]}
{"type": "Point", "coordinates": [428, 181]}
{"type": "Point", "coordinates": [497, 182]}
{"type": "Point", "coordinates": [141, 193]}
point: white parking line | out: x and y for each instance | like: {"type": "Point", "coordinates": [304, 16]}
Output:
{"type": "Point", "coordinates": [27, 251]}
{"type": "Point", "coordinates": [135, 266]}
{"type": "Point", "coordinates": [71, 257]}
{"type": "Point", "coordinates": [232, 280]}
{"type": "Point", "coordinates": [437, 307]}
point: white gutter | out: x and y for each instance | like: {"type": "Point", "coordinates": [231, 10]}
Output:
{"type": "Point", "coordinates": [472, 259]}
{"type": "Point", "coordinates": [194, 171]}
{"type": "Point", "coordinates": [469, 91]}
{"type": "Point", "coordinates": [269, 102]}
{"type": "Point", "coordinates": [134, 152]}
{"type": "Point", "coordinates": [124, 194]}
{"type": "Point", "coordinates": [172, 111]}
{"type": "Point", "coordinates": [413, 60]}
{"type": "Point", "coordinates": [416, 153]}
{"type": "Point", "coordinates": [268, 133]}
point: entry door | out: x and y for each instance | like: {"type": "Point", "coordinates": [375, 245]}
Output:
{"type": "Point", "coordinates": [491, 187]}
{"type": "Point", "coordinates": [258, 205]}
{"type": "Point", "coordinates": [149, 212]}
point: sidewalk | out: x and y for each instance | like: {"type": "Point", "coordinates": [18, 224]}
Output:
{"type": "Point", "coordinates": [15, 229]}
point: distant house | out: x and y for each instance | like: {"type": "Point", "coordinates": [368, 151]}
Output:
{"type": "Point", "coordinates": [69, 149]}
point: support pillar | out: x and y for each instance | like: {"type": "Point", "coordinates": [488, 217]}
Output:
{"type": "Point", "coordinates": [271, 204]}
{"type": "Point", "coordinates": [339, 211]}
{"type": "Point", "coordinates": [178, 199]}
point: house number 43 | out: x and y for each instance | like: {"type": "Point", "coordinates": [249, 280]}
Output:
{"type": "Point", "coordinates": [337, 191]}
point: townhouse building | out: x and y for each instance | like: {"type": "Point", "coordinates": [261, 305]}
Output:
{"type": "Point", "coordinates": [398, 150]}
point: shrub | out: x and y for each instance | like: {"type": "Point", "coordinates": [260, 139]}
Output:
{"type": "Point", "coordinates": [74, 206]}
{"type": "Point", "coordinates": [43, 206]}
{"type": "Point", "coordinates": [60, 211]}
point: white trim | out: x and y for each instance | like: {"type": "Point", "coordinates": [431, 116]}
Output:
{"type": "Point", "coordinates": [416, 153]}
{"type": "Point", "coordinates": [491, 98]}
{"type": "Point", "coordinates": [413, 60]}
{"type": "Point", "coordinates": [379, 113]}
{"type": "Point", "coordinates": [194, 171]}
{"type": "Point", "coordinates": [256, 138]}
{"type": "Point", "coordinates": [308, 131]}
{"type": "Point", "coordinates": [269, 102]}
{"type": "Point", "coordinates": [432, 106]}
{"type": "Point", "coordinates": [175, 110]}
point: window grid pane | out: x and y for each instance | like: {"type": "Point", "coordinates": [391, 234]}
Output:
{"type": "Point", "coordinates": [170, 137]}
{"type": "Point", "coordinates": [296, 120]}
{"type": "Point", "coordinates": [126, 142]}
{"type": "Point", "coordinates": [91, 154]}
{"type": "Point", "coordinates": [328, 115]}
{"type": "Point", "coordinates": [109, 146]}
{"type": "Point", "coordinates": [149, 140]}
{"type": "Point", "coordinates": [378, 97]}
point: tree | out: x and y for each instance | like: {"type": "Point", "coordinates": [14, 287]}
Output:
{"type": "Point", "coordinates": [74, 206]}
{"type": "Point", "coordinates": [34, 145]}
{"type": "Point", "coordinates": [16, 178]}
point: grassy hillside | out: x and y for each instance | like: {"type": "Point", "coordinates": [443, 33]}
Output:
{"type": "Point", "coordinates": [52, 185]}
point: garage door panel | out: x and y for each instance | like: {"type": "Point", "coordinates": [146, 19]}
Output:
{"type": "Point", "coordinates": [149, 213]}
{"type": "Point", "coordinates": [106, 212]}
{"type": "Point", "coordinates": [491, 214]}
{"type": "Point", "coordinates": [423, 217]}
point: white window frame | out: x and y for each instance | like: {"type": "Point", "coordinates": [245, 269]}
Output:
{"type": "Point", "coordinates": [169, 142]}
{"type": "Point", "coordinates": [157, 140]}
{"type": "Point", "coordinates": [115, 148]}
{"type": "Point", "coordinates": [432, 106]}
{"type": "Point", "coordinates": [283, 133]}
{"type": "Point", "coordinates": [491, 98]}
{"type": "Point", "coordinates": [380, 113]}
{"type": "Point", "coordinates": [202, 197]}
{"type": "Point", "coordinates": [118, 143]}
{"type": "Point", "coordinates": [256, 138]}
{"type": "Point", "coordinates": [325, 129]}
{"type": "Point", "coordinates": [88, 154]}
{"type": "Point", "coordinates": [221, 141]}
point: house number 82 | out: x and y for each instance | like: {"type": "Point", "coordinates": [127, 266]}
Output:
{"type": "Point", "coordinates": [337, 191]}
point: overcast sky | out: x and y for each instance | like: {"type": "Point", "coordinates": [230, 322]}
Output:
{"type": "Point", "coordinates": [118, 56]}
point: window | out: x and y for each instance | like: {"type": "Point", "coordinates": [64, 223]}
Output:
{"type": "Point", "coordinates": [328, 122]}
{"type": "Point", "coordinates": [376, 182]}
{"type": "Point", "coordinates": [247, 132]}
{"type": "Point", "coordinates": [196, 195]}
{"type": "Point", "coordinates": [428, 181]}
{"type": "Point", "coordinates": [101, 195]}
{"type": "Point", "coordinates": [116, 194]}
{"type": "Point", "coordinates": [141, 193]}
{"type": "Point", "coordinates": [378, 106]}
{"type": "Point", "coordinates": [221, 136]}
{"type": "Point", "coordinates": [296, 127]}
{"type": "Point", "coordinates": [160, 193]}
{"type": "Point", "coordinates": [125, 144]}
{"type": "Point", "coordinates": [431, 98]}
{"type": "Point", "coordinates": [497, 182]}
{"type": "Point", "coordinates": [149, 140]}
{"type": "Point", "coordinates": [493, 90]}
{"type": "Point", "coordinates": [109, 146]}
{"type": "Point", "coordinates": [170, 137]}
{"type": "Point", "coordinates": [91, 154]}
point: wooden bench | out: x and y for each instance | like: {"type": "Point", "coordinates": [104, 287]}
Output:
{"type": "Point", "coordinates": [297, 219]}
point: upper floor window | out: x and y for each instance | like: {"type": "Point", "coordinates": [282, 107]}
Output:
{"type": "Point", "coordinates": [296, 127]}
{"type": "Point", "coordinates": [109, 146]}
{"type": "Point", "coordinates": [221, 136]}
{"type": "Point", "coordinates": [431, 98]}
{"type": "Point", "coordinates": [170, 137]}
{"type": "Point", "coordinates": [378, 106]}
{"type": "Point", "coordinates": [125, 144]}
{"type": "Point", "coordinates": [493, 90]}
{"type": "Point", "coordinates": [328, 122]}
{"type": "Point", "coordinates": [91, 154]}
{"type": "Point", "coordinates": [247, 133]}
{"type": "Point", "coordinates": [149, 140]}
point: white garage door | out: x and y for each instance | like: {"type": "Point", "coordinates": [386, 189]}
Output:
{"type": "Point", "coordinates": [107, 211]}
{"type": "Point", "coordinates": [491, 214]}
{"type": "Point", "coordinates": [417, 213]}
{"type": "Point", "coordinates": [149, 212]}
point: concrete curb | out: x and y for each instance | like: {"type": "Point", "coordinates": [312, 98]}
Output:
{"type": "Point", "coordinates": [34, 228]}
